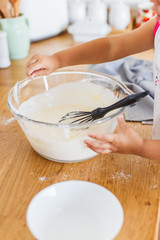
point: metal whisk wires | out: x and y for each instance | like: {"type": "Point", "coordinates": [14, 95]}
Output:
{"type": "Point", "coordinates": [85, 117]}
{"type": "Point", "coordinates": [79, 116]}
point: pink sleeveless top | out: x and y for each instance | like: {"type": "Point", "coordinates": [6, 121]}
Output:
{"type": "Point", "coordinates": [156, 27]}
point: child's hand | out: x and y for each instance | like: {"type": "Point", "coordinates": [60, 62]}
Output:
{"type": "Point", "coordinates": [126, 141]}
{"type": "Point", "coordinates": [41, 65]}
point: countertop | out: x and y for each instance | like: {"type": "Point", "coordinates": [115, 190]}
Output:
{"type": "Point", "coordinates": [23, 173]}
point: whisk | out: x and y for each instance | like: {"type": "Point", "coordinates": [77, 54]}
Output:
{"type": "Point", "coordinates": [85, 117]}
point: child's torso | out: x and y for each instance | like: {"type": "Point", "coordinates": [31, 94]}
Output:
{"type": "Point", "coordinates": [156, 71]}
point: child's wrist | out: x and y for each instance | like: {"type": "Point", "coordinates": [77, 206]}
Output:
{"type": "Point", "coordinates": [56, 61]}
{"type": "Point", "coordinates": [140, 148]}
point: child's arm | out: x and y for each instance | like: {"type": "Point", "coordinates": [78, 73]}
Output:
{"type": "Point", "coordinates": [96, 51]}
{"type": "Point", "coordinates": [127, 141]}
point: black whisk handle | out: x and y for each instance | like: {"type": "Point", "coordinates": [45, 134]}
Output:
{"type": "Point", "coordinates": [129, 100]}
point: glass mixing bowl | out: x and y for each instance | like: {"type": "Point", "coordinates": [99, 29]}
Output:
{"type": "Point", "coordinates": [63, 142]}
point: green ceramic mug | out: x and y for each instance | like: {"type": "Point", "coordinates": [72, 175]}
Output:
{"type": "Point", "coordinates": [17, 30]}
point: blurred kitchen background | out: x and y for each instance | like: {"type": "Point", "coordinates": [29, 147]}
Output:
{"type": "Point", "coordinates": [84, 19]}
{"type": "Point", "coordinates": [25, 21]}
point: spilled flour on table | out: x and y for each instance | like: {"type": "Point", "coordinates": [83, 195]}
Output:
{"type": "Point", "coordinates": [155, 186]}
{"type": "Point", "coordinates": [44, 178]}
{"type": "Point", "coordinates": [122, 177]}
{"type": "Point", "coordinates": [41, 179]}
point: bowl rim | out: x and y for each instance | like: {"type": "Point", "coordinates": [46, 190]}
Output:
{"type": "Point", "coordinates": [66, 125]}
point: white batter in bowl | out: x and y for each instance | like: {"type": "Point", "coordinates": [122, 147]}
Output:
{"type": "Point", "coordinates": [38, 105]}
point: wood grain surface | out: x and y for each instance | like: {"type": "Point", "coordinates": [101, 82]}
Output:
{"type": "Point", "coordinates": [23, 173]}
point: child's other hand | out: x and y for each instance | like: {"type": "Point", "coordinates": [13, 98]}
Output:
{"type": "Point", "coordinates": [126, 141]}
{"type": "Point", "coordinates": [41, 65]}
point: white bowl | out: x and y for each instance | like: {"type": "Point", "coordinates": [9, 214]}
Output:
{"type": "Point", "coordinates": [75, 210]}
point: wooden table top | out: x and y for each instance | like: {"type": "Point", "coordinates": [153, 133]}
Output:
{"type": "Point", "coordinates": [23, 173]}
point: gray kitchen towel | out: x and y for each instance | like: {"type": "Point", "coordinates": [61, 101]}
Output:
{"type": "Point", "coordinates": [137, 74]}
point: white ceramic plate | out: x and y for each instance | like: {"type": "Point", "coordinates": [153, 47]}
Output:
{"type": "Point", "coordinates": [87, 30]}
{"type": "Point", "coordinates": [75, 210]}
